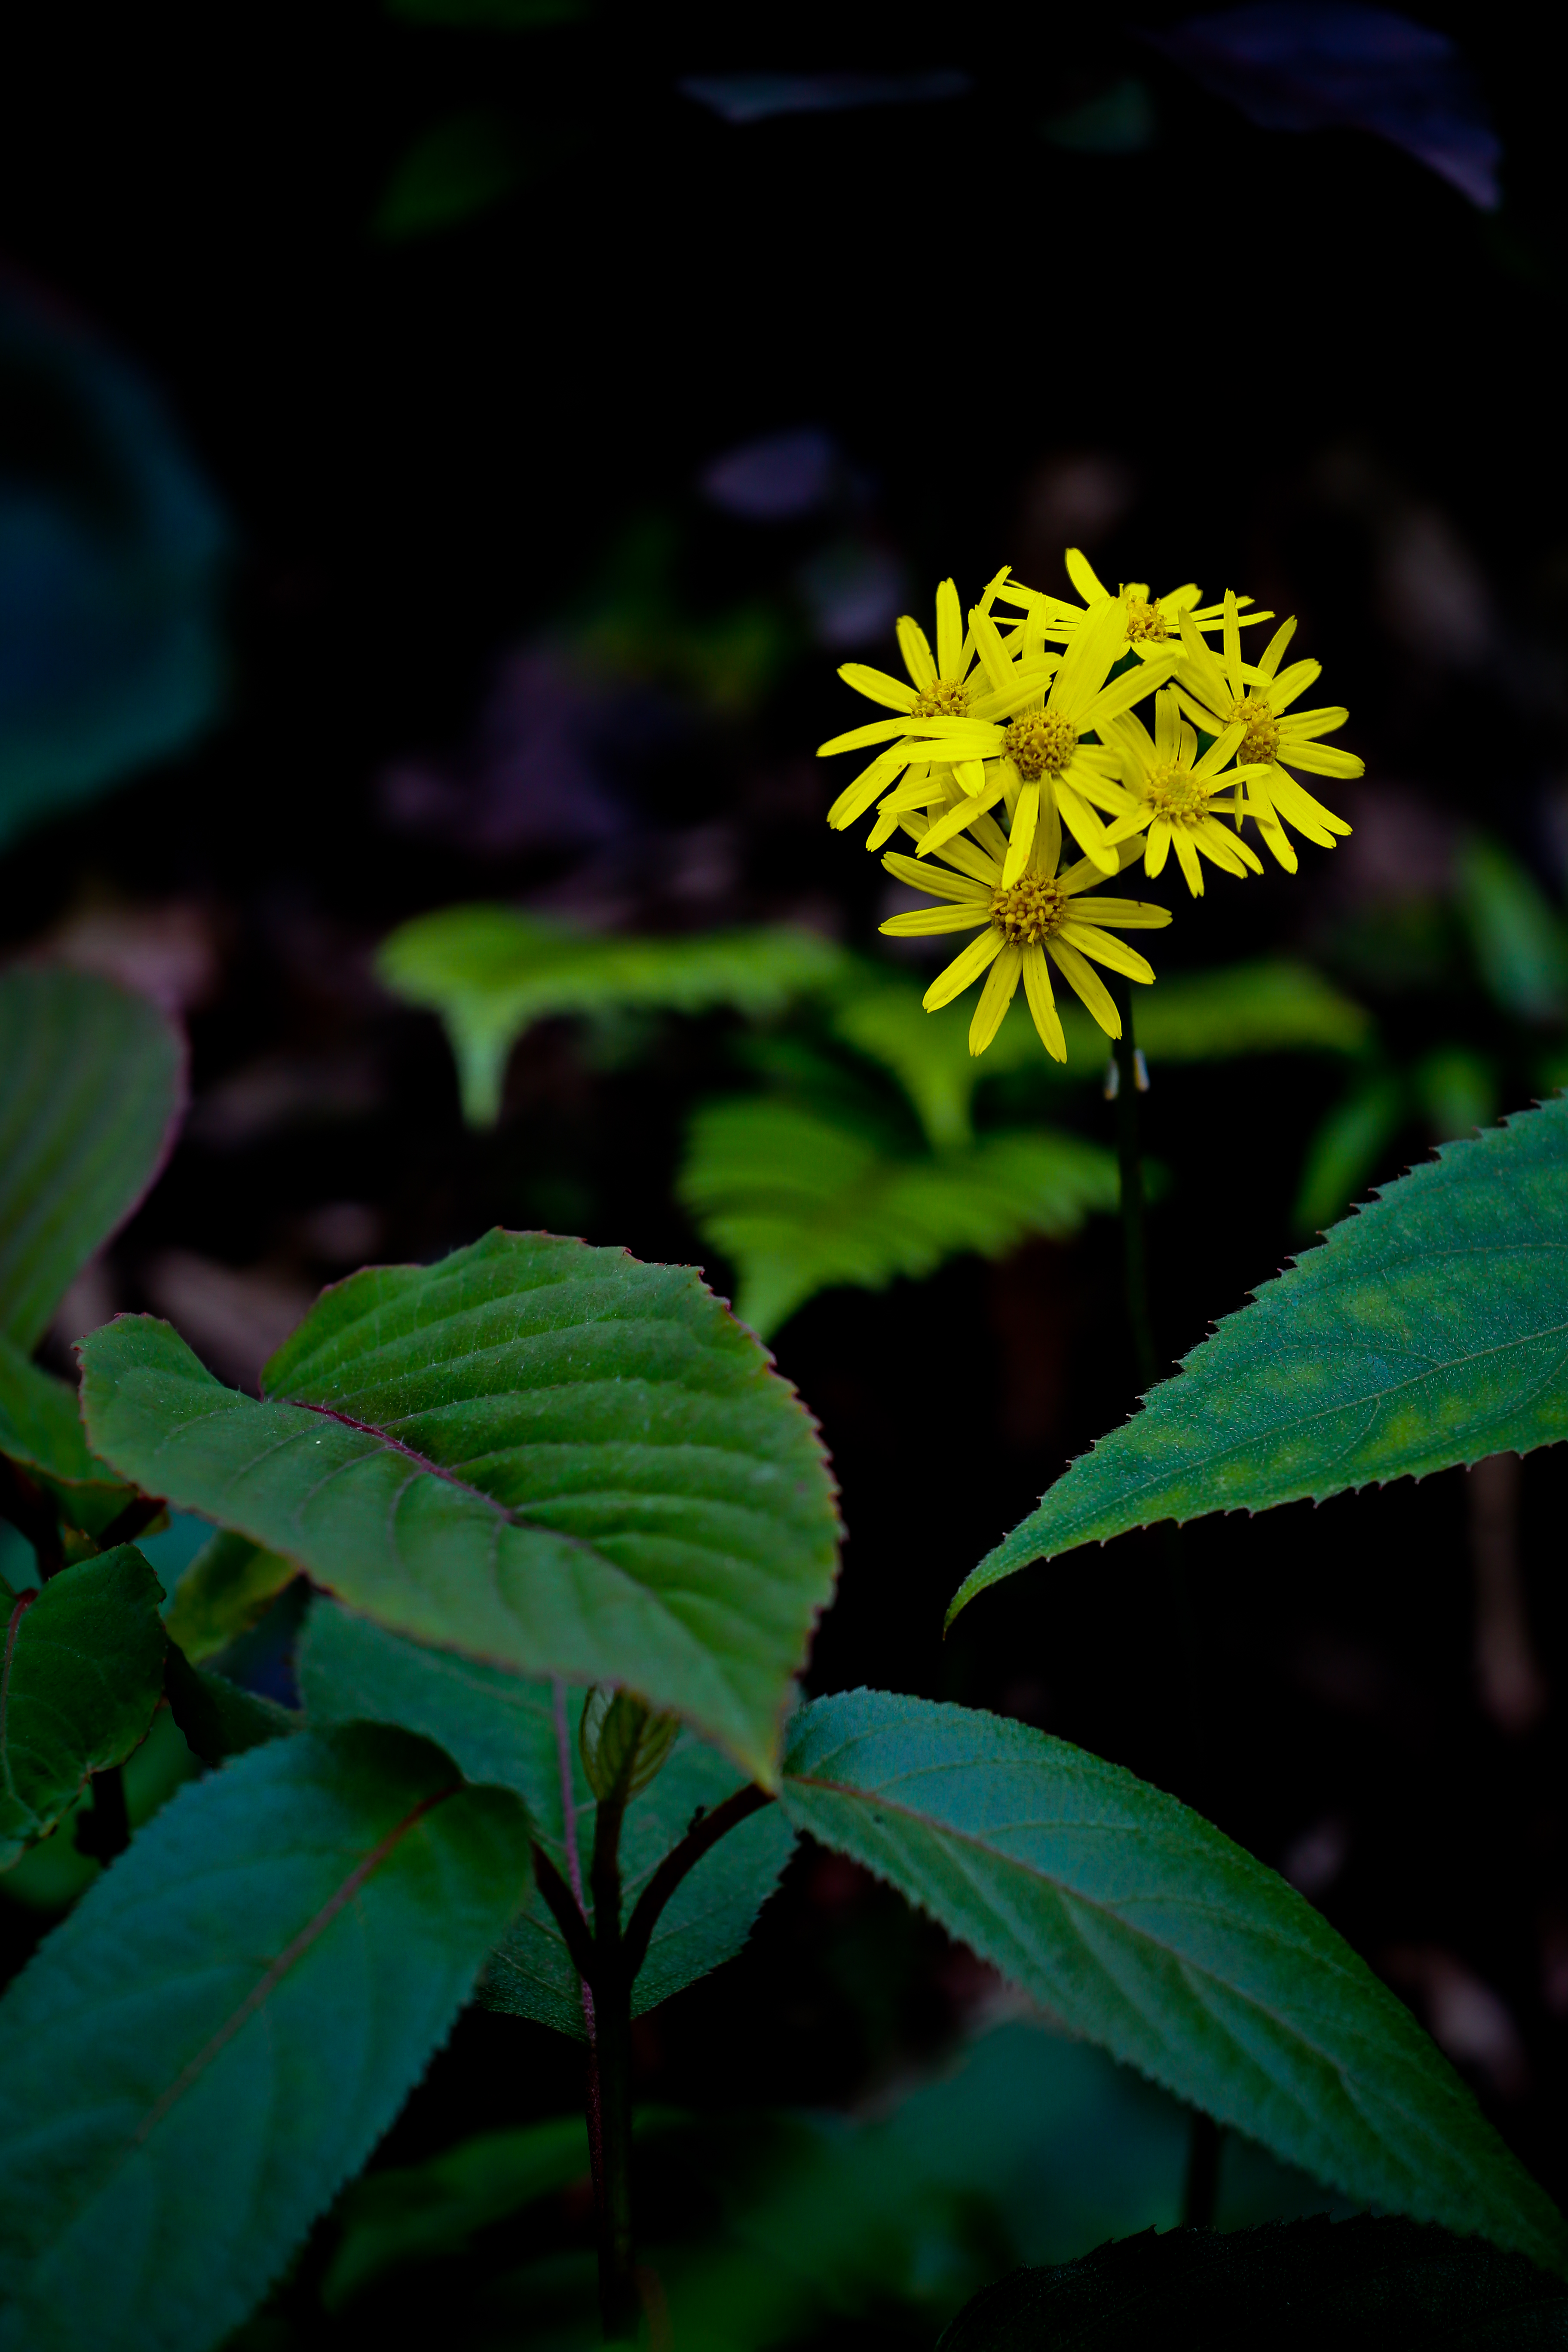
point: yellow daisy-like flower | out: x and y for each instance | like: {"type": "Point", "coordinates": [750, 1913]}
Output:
{"type": "Point", "coordinates": [1219, 690]}
{"type": "Point", "coordinates": [1025, 927]}
{"type": "Point", "coordinates": [1039, 760]}
{"type": "Point", "coordinates": [1172, 794]}
{"type": "Point", "coordinates": [1151, 622]}
{"type": "Point", "coordinates": [949, 693]}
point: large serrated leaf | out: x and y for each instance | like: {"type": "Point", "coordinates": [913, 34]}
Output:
{"type": "Point", "coordinates": [195, 2061]}
{"type": "Point", "coordinates": [522, 1734]}
{"type": "Point", "coordinates": [544, 1455]}
{"type": "Point", "coordinates": [490, 973]}
{"type": "Point", "coordinates": [1292, 2286]}
{"type": "Point", "coordinates": [1430, 1330]}
{"type": "Point", "coordinates": [93, 1083]}
{"type": "Point", "coordinates": [1148, 1931]}
{"type": "Point", "coordinates": [82, 1674]}
{"type": "Point", "coordinates": [799, 1200]}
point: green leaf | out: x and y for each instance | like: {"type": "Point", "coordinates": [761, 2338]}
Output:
{"type": "Point", "coordinates": [1428, 1330]}
{"type": "Point", "coordinates": [416, 2212]}
{"type": "Point", "coordinates": [1292, 2286]}
{"type": "Point", "coordinates": [492, 973]}
{"type": "Point", "coordinates": [1347, 1149]}
{"type": "Point", "coordinates": [40, 1425]}
{"type": "Point", "coordinates": [217, 1718]}
{"type": "Point", "coordinates": [195, 2061]}
{"type": "Point", "coordinates": [228, 1588]}
{"type": "Point", "coordinates": [456, 167]}
{"type": "Point", "coordinates": [1267, 1007]}
{"type": "Point", "coordinates": [1143, 1928]}
{"type": "Point", "coordinates": [544, 1455]}
{"type": "Point", "coordinates": [83, 1671]}
{"type": "Point", "coordinates": [522, 1734]}
{"type": "Point", "coordinates": [1518, 936]}
{"type": "Point", "coordinates": [799, 1200]}
{"type": "Point", "coordinates": [92, 1085]}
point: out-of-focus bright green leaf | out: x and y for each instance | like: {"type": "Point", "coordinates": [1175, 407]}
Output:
{"type": "Point", "coordinates": [492, 972]}
{"type": "Point", "coordinates": [92, 1084]}
{"type": "Point", "coordinates": [214, 2041]}
{"type": "Point", "coordinates": [1519, 938]}
{"type": "Point", "coordinates": [228, 1588]}
{"type": "Point", "coordinates": [522, 1734]}
{"type": "Point", "coordinates": [415, 2213]}
{"type": "Point", "coordinates": [1294, 2286]}
{"type": "Point", "coordinates": [1258, 1008]}
{"type": "Point", "coordinates": [1457, 1090]}
{"type": "Point", "coordinates": [544, 1455]}
{"type": "Point", "coordinates": [1141, 1925]}
{"type": "Point", "coordinates": [799, 1200]}
{"type": "Point", "coordinates": [458, 167]}
{"type": "Point", "coordinates": [1428, 1330]}
{"type": "Point", "coordinates": [83, 1671]}
{"type": "Point", "coordinates": [1346, 1150]}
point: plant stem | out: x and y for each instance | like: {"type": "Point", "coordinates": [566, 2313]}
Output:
{"type": "Point", "coordinates": [1134, 1230]}
{"type": "Point", "coordinates": [103, 1829]}
{"type": "Point", "coordinates": [609, 2082]}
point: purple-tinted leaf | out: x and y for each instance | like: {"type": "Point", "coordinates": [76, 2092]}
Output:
{"type": "Point", "coordinates": [1309, 65]}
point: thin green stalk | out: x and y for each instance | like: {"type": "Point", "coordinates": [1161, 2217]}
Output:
{"type": "Point", "coordinates": [610, 2081]}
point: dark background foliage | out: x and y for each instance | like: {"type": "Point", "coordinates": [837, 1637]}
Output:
{"type": "Point", "coordinates": [491, 636]}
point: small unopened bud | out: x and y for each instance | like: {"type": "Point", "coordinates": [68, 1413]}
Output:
{"type": "Point", "coordinates": [622, 1742]}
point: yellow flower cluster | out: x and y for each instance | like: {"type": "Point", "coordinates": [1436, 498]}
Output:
{"type": "Point", "coordinates": [1020, 726]}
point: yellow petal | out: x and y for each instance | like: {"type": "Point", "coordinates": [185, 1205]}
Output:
{"type": "Point", "coordinates": [1082, 977]}
{"type": "Point", "coordinates": [1026, 816]}
{"type": "Point", "coordinates": [878, 687]}
{"type": "Point", "coordinates": [964, 968]}
{"type": "Point", "coordinates": [994, 998]}
{"type": "Point", "coordinates": [1042, 1004]}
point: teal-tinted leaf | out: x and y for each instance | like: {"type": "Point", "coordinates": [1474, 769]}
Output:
{"type": "Point", "coordinates": [228, 1588]}
{"type": "Point", "coordinates": [1519, 939]}
{"type": "Point", "coordinates": [217, 1718]}
{"type": "Point", "coordinates": [40, 1425]}
{"type": "Point", "coordinates": [54, 1873]}
{"type": "Point", "coordinates": [799, 1200]}
{"type": "Point", "coordinates": [92, 1084]}
{"type": "Point", "coordinates": [1146, 1930]}
{"type": "Point", "coordinates": [195, 2061]}
{"type": "Point", "coordinates": [492, 972]}
{"type": "Point", "coordinates": [545, 1455]}
{"type": "Point", "coordinates": [1431, 1328]}
{"type": "Point", "coordinates": [522, 1734]}
{"type": "Point", "coordinates": [1347, 1149]}
{"type": "Point", "coordinates": [83, 1670]}
{"type": "Point", "coordinates": [417, 2212]}
{"type": "Point", "coordinates": [1293, 2286]}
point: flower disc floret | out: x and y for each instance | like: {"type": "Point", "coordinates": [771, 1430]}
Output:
{"type": "Point", "coordinates": [1029, 911]}
{"type": "Point", "coordinates": [1261, 740]}
{"type": "Point", "coordinates": [1040, 743]}
{"type": "Point", "coordinates": [1174, 792]}
{"type": "Point", "coordinates": [1144, 620]}
{"type": "Point", "coordinates": [943, 700]}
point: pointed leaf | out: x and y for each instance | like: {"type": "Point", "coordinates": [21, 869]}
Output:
{"type": "Point", "coordinates": [228, 1588]}
{"type": "Point", "coordinates": [1428, 1330]}
{"type": "Point", "coordinates": [522, 1734]}
{"type": "Point", "coordinates": [1294, 2286]}
{"type": "Point", "coordinates": [1145, 1930]}
{"type": "Point", "coordinates": [195, 2061]}
{"type": "Point", "coordinates": [217, 1718]}
{"type": "Point", "coordinates": [82, 1675]}
{"type": "Point", "coordinates": [547, 1456]}
{"type": "Point", "coordinates": [92, 1084]}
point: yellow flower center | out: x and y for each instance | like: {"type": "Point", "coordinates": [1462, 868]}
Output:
{"type": "Point", "coordinates": [1176, 794]}
{"type": "Point", "coordinates": [1261, 740]}
{"type": "Point", "coordinates": [942, 701]}
{"type": "Point", "coordinates": [1040, 745]}
{"type": "Point", "coordinates": [1029, 911]}
{"type": "Point", "coordinates": [1143, 620]}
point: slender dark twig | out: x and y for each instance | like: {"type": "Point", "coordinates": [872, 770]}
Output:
{"type": "Point", "coordinates": [681, 1858]}
{"type": "Point", "coordinates": [568, 1918]}
{"type": "Point", "coordinates": [127, 1524]}
{"type": "Point", "coordinates": [1134, 1224]}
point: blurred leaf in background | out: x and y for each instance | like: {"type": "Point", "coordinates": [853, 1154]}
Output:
{"type": "Point", "coordinates": [112, 559]}
{"type": "Point", "coordinates": [464, 164]}
{"type": "Point", "coordinates": [491, 972]}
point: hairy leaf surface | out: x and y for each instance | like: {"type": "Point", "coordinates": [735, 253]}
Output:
{"type": "Point", "coordinates": [1145, 1930]}
{"type": "Point", "coordinates": [798, 1200]}
{"type": "Point", "coordinates": [214, 2041]}
{"type": "Point", "coordinates": [92, 1084]}
{"type": "Point", "coordinates": [548, 1456]}
{"type": "Point", "coordinates": [82, 1673]}
{"type": "Point", "coordinates": [523, 1735]}
{"type": "Point", "coordinates": [492, 972]}
{"type": "Point", "coordinates": [1431, 1328]}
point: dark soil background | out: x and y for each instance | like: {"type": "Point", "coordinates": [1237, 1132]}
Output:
{"type": "Point", "coordinates": [1303, 365]}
